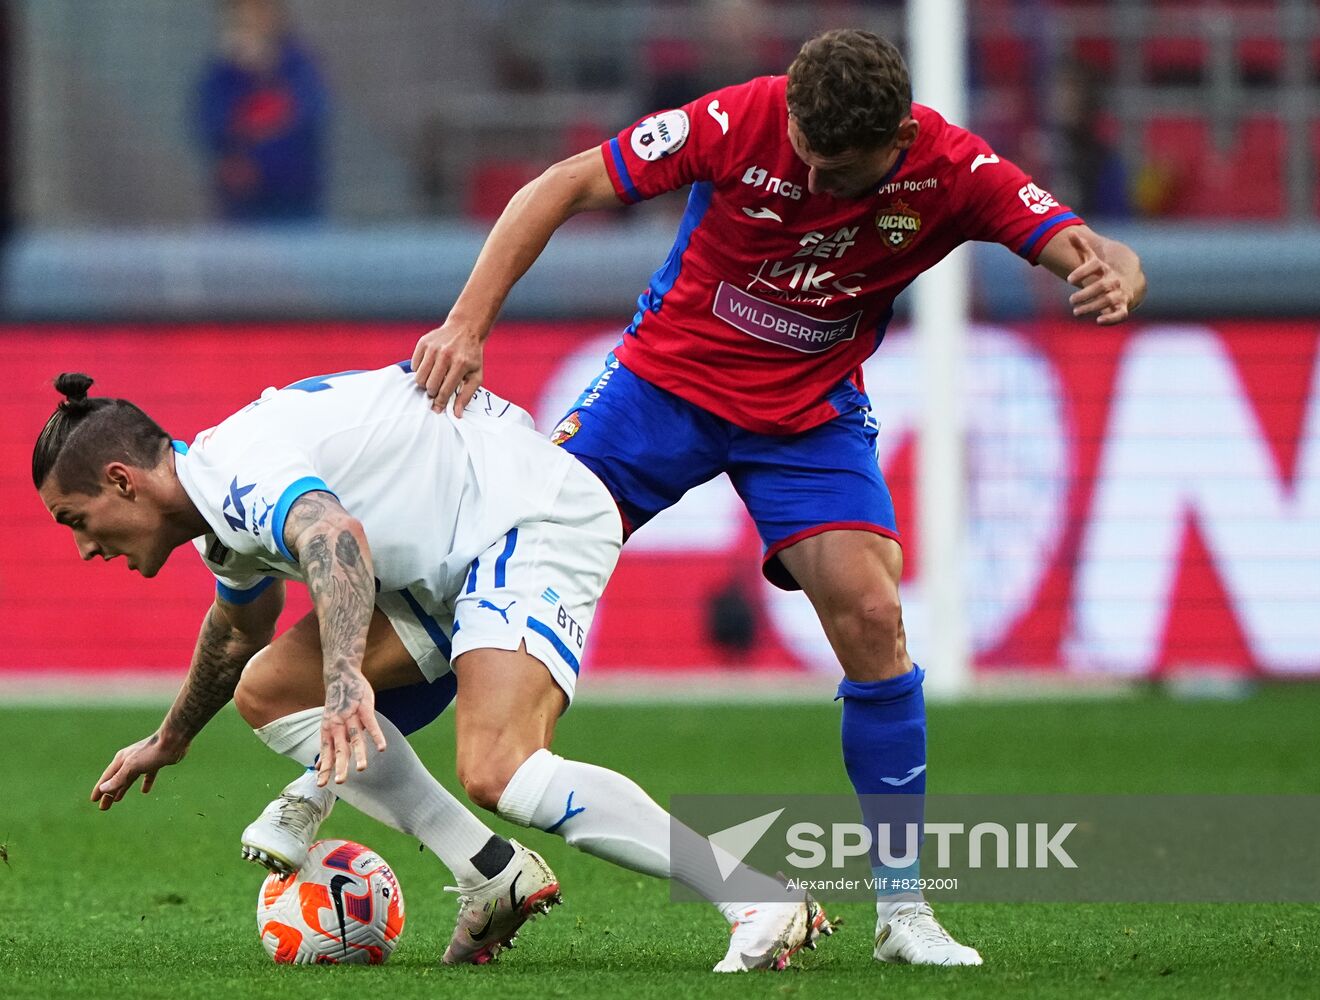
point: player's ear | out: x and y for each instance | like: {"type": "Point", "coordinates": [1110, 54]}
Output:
{"type": "Point", "coordinates": [907, 133]}
{"type": "Point", "coordinates": [119, 479]}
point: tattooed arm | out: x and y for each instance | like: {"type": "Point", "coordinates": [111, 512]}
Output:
{"type": "Point", "coordinates": [231, 635]}
{"type": "Point", "coordinates": [332, 550]}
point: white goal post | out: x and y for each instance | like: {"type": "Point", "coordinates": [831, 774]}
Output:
{"type": "Point", "coordinates": [937, 50]}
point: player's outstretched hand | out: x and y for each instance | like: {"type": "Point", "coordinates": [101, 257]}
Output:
{"type": "Point", "coordinates": [448, 360]}
{"type": "Point", "coordinates": [349, 718]}
{"type": "Point", "coordinates": [1103, 290]}
{"type": "Point", "coordinates": [145, 757]}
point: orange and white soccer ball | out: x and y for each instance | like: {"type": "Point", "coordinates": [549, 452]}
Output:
{"type": "Point", "coordinates": [344, 906]}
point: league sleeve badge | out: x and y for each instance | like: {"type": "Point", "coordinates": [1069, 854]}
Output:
{"type": "Point", "coordinates": [659, 135]}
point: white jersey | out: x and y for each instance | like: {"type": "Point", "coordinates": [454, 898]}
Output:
{"type": "Point", "coordinates": [432, 492]}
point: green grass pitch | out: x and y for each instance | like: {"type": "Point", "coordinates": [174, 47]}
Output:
{"type": "Point", "coordinates": [151, 899]}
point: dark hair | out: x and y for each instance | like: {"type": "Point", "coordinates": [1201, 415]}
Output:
{"type": "Point", "coordinates": [848, 89]}
{"type": "Point", "coordinates": [83, 434]}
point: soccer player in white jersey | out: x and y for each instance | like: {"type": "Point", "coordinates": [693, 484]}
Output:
{"type": "Point", "coordinates": [426, 544]}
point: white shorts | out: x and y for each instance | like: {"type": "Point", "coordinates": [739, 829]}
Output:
{"type": "Point", "coordinates": [537, 585]}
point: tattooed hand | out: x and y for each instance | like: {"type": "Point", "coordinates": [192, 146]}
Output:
{"type": "Point", "coordinates": [349, 717]}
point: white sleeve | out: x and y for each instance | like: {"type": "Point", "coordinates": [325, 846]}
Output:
{"type": "Point", "coordinates": [248, 491]}
{"type": "Point", "coordinates": [237, 580]}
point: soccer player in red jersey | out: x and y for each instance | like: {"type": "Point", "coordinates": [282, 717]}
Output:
{"type": "Point", "coordinates": [815, 199]}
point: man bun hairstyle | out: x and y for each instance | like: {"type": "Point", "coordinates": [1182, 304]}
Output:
{"type": "Point", "coordinates": [74, 386]}
{"type": "Point", "coordinates": [83, 434]}
{"type": "Point", "coordinates": [847, 90]}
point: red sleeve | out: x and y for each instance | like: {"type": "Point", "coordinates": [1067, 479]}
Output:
{"type": "Point", "coordinates": [671, 149]}
{"type": "Point", "coordinates": [1000, 202]}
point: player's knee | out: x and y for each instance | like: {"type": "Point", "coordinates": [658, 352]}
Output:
{"type": "Point", "coordinates": [253, 698]}
{"type": "Point", "coordinates": [249, 706]}
{"type": "Point", "coordinates": [485, 769]}
{"type": "Point", "coordinates": [873, 616]}
{"type": "Point", "coordinates": [485, 774]}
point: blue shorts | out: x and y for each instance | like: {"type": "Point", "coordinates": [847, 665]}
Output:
{"type": "Point", "coordinates": [416, 706]}
{"type": "Point", "coordinates": [649, 447]}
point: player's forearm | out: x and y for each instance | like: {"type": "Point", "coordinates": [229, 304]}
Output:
{"type": "Point", "coordinates": [221, 653]}
{"type": "Point", "coordinates": [519, 237]}
{"type": "Point", "coordinates": [337, 565]}
{"type": "Point", "coordinates": [517, 240]}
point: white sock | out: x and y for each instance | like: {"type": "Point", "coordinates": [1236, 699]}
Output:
{"type": "Point", "coordinates": [305, 787]}
{"type": "Point", "coordinates": [395, 789]}
{"type": "Point", "coordinates": [605, 814]}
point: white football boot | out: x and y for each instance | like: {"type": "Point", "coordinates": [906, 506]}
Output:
{"type": "Point", "coordinates": [912, 936]}
{"type": "Point", "coordinates": [280, 837]}
{"type": "Point", "coordinates": [490, 914]}
{"type": "Point", "coordinates": [767, 935]}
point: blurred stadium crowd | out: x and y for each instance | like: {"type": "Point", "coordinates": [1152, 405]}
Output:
{"type": "Point", "coordinates": [172, 111]}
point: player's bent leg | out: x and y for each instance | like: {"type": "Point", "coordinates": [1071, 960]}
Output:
{"type": "Point", "coordinates": [851, 578]}
{"type": "Point", "coordinates": [281, 836]}
{"type": "Point", "coordinates": [284, 678]}
{"type": "Point", "coordinates": [278, 681]}
{"type": "Point", "coordinates": [502, 715]}
{"type": "Point", "coordinates": [508, 703]}
{"type": "Point", "coordinates": [506, 710]}
{"type": "Point", "coordinates": [396, 788]}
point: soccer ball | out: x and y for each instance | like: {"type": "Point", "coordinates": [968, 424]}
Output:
{"type": "Point", "coordinates": [343, 906]}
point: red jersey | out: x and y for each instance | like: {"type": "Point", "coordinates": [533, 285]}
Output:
{"type": "Point", "coordinates": [771, 297]}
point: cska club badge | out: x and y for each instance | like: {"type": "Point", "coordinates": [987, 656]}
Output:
{"type": "Point", "coordinates": [898, 225]}
{"type": "Point", "coordinates": [569, 426]}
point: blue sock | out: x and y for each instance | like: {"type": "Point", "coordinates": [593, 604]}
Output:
{"type": "Point", "coordinates": [884, 751]}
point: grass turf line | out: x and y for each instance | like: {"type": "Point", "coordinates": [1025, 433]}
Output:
{"type": "Point", "coordinates": [151, 900]}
